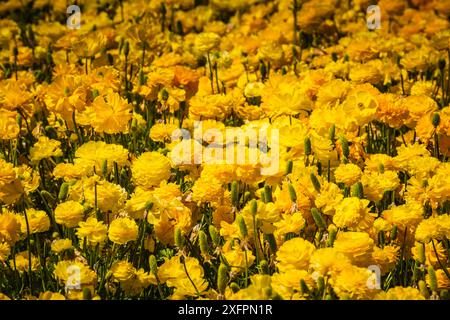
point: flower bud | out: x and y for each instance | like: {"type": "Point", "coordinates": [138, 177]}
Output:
{"type": "Point", "coordinates": [358, 190]}
{"type": "Point", "coordinates": [63, 191]}
{"type": "Point", "coordinates": [234, 193]}
{"type": "Point", "coordinates": [318, 219]}
{"type": "Point", "coordinates": [153, 264]}
{"type": "Point", "coordinates": [242, 226]}
{"type": "Point", "coordinates": [289, 165]}
{"type": "Point", "coordinates": [331, 237]}
{"type": "Point", "coordinates": [394, 232]}
{"type": "Point", "coordinates": [315, 182]}
{"type": "Point", "coordinates": [307, 146]}
{"type": "Point", "coordinates": [215, 237]}
{"type": "Point", "coordinates": [87, 294]}
{"type": "Point", "coordinates": [178, 237]}
{"type": "Point", "coordinates": [421, 252]}
{"type": "Point", "coordinates": [268, 193]}
{"type": "Point", "coordinates": [253, 207]}
{"type": "Point", "coordinates": [436, 120]}
{"type": "Point", "coordinates": [234, 287]}
{"type": "Point", "coordinates": [304, 290]}
{"type": "Point", "coordinates": [203, 241]}
{"type": "Point", "coordinates": [432, 279]}
{"type": "Point", "coordinates": [345, 147]}
{"type": "Point", "coordinates": [423, 289]}
{"type": "Point", "coordinates": [292, 193]}
{"type": "Point", "coordinates": [105, 167]}
{"type": "Point", "coordinates": [332, 132]}
{"type": "Point", "coordinates": [222, 278]}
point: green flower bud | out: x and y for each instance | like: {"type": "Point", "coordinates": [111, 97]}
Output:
{"type": "Point", "coordinates": [423, 289]}
{"type": "Point", "coordinates": [253, 207]}
{"type": "Point", "coordinates": [332, 132]}
{"type": "Point", "coordinates": [358, 190]}
{"type": "Point", "coordinates": [304, 290]}
{"type": "Point", "coordinates": [105, 167]}
{"type": "Point", "coordinates": [421, 252]}
{"type": "Point", "coordinates": [234, 193]}
{"type": "Point", "coordinates": [345, 147]}
{"type": "Point", "coordinates": [153, 264]}
{"type": "Point", "coordinates": [381, 168]}
{"type": "Point", "coordinates": [307, 146]}
{"type": "Point", "coordinates": [268, 193]}
{"type": "Point", "coordinates": [394, 232]}
{"type": "Point", "coordinates": [318, 219]}
{"type": "Point", "coordinates": [432, 278]}
{"type": "Point", "coordinates": [203, 241]}
{"type": "Point", "coordinates": [292, 193]}
{"type": "Point", "coordinates": [215, 237]}
{"type": "Point", "coordinates": [222, 278]}
{"type": "Point", "coordinates": [331, 237]}
{"type": "Point", "coordinates": [234, 287]}
{"type": "Point", "coordinates": [242, 226]}
{"type": "Point", "coordinates": [315, 182]}
{"type": "Point", "coordinates": [289, 165]}
{"type": "Point", "coordinates": [178, 237]}
{"type": "Point", "coordinates": [436, 120]}
{"type": "Point", "coordinates": [63, 191]}
{"type": "Point", "coordinates": [87, 294]}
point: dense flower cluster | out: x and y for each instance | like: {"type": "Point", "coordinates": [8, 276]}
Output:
{"type": "Point", "coordinates": [109, 190]}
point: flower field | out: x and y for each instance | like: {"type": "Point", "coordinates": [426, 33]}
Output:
{"type": "Point", "coordinates": [225, 150]}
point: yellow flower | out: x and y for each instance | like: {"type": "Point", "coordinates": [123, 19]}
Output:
{"type": "Point", "coordinates": [162, 132]}
{"type": "Point", "coordinates": [349, 174]}
{"type": "Point", "coordinates": [110, 115]}
{"type": "Point", "coordinates": [93, 230]}
{"type": "Point", "coordinates": [206, 41]}
{"type": "Point", "coordinates": [357, 246]}
{"type": "Point", "coordinates": [294, 254]}
{"type": "Point", "coordinates": [74, 272]}
{"type": "Point", "coordinates": [9, 128]}
{"type": "Point", "coordinates": [352, 213]}
{"type": "Point", "coordinates": [45, 148]}
{"type": "Point", "coordinates": [122, 271]}
{"type": "Point", "coordinates": [290, 223]}
{"type": "Point", "coordinates": [60, 245]}
{"type": "Point", "coordinates": [69, 213]}
{"type": "Point", "coordinates": [385, 258]}
{"type": "Point", "coordinates": [9, 227]}
{"type": "Point", "coordinates": [328, 261]}
{"type": "Point", "coordinates": [287, 283]}
{"type": "Point", "coordinates": [239, 259]}
{"type": "Point", "coordinates": [38, 221]}
{"type": "Point", "coordinates": [22, 262]}
{"type": "Point", "coordinates": [353, 282]}
{"type": "Point", "coordinates": [123, 230]}
{"type": "Point", "coordinates": [97, 152]}
{"type": "Point", "coordinates": [5, 249]}
{"type": "Point", "coordinates": [400, 293]}
{"type": "Point", "coordinates": [48, 295]}
{"type": "Point", "coordinates": [150, 169]}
